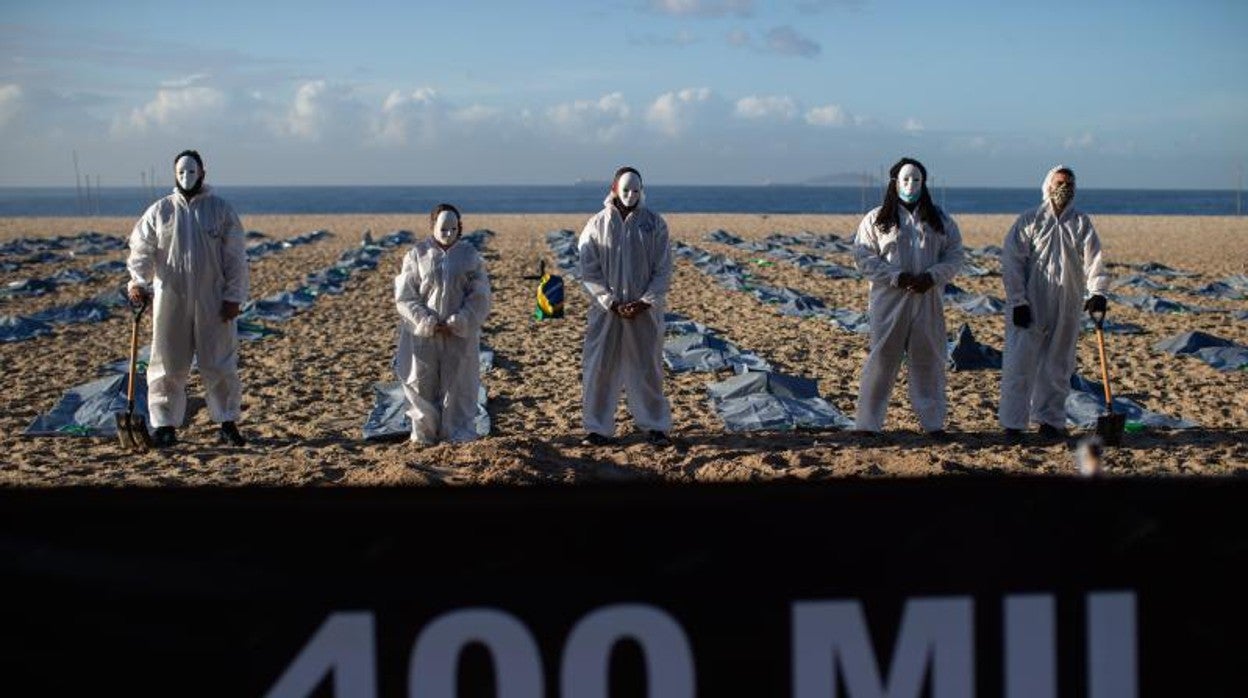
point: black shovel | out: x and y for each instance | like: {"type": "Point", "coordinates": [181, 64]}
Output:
{"type": "Point", "coordinates": [1108, 426]}
{"type": "Point", "coordinates": [132, 428]}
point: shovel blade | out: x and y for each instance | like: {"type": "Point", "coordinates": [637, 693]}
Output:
{"type": "Point", "coordinates": [132, 432]}
{"type": "Point", "coordinates": [123, 431]}
{"type": "Point", "coordinates": [1110, 427]}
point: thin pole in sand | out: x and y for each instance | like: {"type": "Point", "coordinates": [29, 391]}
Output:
{"type": "Point", "coordinates": [77, 183]}
{"type": "Point", "coordinates": [1239, 189]}
{"type": "Point", "coordinates": [97, 195]}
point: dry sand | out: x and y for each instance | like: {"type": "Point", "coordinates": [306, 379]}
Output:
{"type": "Point", "coordinates": [307, 393]}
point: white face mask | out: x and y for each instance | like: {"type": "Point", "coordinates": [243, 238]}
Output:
{"type": "Point", "coordinates": [446, 228]}
{"type": "Point", "coordinates": [909, 183]}
{"type": "Point", "coordinates": [187, 173]}
{"type": "Point", "coordinates": [628, 189]}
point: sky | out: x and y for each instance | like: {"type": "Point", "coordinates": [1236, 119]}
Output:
{"type": "Point", "coordinates": [1131, 94]}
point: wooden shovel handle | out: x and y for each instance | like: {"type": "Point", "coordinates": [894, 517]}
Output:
{"type": "Point", "coordinates": [138, 309]}
{"type": "Point", "coordinates": [1100, 344]}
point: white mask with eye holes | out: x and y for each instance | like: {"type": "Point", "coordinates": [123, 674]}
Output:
{"type": "Point", "coordinates": [628, 189]}
{"type": "Point", "coordinates": [909, 183]}
{"type": "Point", "coordinates": [188, 175]}
{"type": "Point", "coordinates": [446, 228]}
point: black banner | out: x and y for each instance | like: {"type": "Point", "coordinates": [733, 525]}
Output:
{"type": "Point", "coordinates": [938, 587]}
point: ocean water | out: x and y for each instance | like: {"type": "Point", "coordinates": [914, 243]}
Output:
{"type": "Point", "coordinates": [131, 201]}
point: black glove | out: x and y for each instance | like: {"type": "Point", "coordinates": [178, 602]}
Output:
{"type": "Point", "coordinates": [1022, 316]}
{"type": "Point", "coordinates": [905, 280]}
{"type": "Point", "coordinates": [923, 283]}
{"type": "Point", "coordinates": [1096, 304]}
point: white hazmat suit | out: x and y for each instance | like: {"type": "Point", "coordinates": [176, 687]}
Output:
{"type": "Point", "coordinates": [191, 254]}
{"type": "Point", "coordinates": [902, 321]}
{"type": "Point", "coordinates": [625, 259]}
{"type": "Point", "coordinates": [440, 371]}
{"type": "Point", "coordinates": [1047, 263]}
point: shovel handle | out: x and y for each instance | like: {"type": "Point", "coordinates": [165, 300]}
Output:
{"type": "Point", "coordinates": [137, 309]}
{"type": "Point", "coordinates": [1100, 344]}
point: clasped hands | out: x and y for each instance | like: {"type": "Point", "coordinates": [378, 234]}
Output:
{"type": "Point", "coordinates": [915, 283]}
{"type": "Point", "coordinates": [630, 310]}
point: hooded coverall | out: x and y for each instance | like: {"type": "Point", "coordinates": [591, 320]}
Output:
{"type": "Point", "coordinates": [191, 254]}
{"type": "Point", "coordinates": [440, 372]}
{"type": "Point", "coordinates": [1047, 263]}
{"type": "Point", "coordinates": [624, 259]}
{"type": "Point", "coordinates": [903, 322]}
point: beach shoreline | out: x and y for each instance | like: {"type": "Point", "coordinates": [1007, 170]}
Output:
{"type": "Point", "coordinates": [308, 391]}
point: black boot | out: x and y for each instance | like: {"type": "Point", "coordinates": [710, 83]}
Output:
{"type": "Point", "coordinates": [230, 436]}
{"type": "Point", "coordinates": [164, 437]}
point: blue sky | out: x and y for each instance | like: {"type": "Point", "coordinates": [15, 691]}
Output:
{"type": "Point", "coordinates": [1143, 94]}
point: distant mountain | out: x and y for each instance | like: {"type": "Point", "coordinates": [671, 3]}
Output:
{"type": "Point", "coordinates": [844, 179]}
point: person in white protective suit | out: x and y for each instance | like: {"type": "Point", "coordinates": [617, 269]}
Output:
{"type": "Point", "coordinates": [908, 249]}
{"type": "Point", "coordinates": [1050, 258]}
{"type": "Point", "coordinates": [626, 268]}
{"type": "Point", "coordinates": [187, 256]}
{"type": "Point", "coordinates": [443, 297]}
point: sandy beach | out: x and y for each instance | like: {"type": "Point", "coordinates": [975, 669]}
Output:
{"type": "Point", "coordinates": [307, 392]}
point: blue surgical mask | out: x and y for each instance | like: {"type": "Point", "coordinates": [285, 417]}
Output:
{"type": "Point", "coordinates": [909, 183]}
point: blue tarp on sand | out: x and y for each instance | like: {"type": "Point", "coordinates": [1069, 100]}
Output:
{"type": "Point", "coordinates": [1225, 358]}
{"type": "Point", "coordinates": [17, 329]}
{"type": "Point", "coordinates": [1157, 304]}
{"type": "Point", "coordinates": [80, 312]}
{"type": "Point", "coordinates": [762, 400]}
{"type": "Point", "coordinates": [1190, 343]}
{"type": "Point", "coordinates": [851, 320]}
{"type": "Point", "coordinates": [88, 410]}
{"type": "Point", "coordinates": [1111, 327]}
{"type": "Point", "coordinates": [1086, 402]}
{"type": "Point", "coordinates": [1222, 354]}
{"type": "Point", "coordinates": [388, 419]}
{"type": "Point", "coordinates": [966, 354]}
{"type": "Point", "coordinates": [707, 353]}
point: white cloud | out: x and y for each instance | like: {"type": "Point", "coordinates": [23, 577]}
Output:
{"type": "Point", "coordinates": [321, 109]}
{"type": "Point", "coordinates": [912, 125]}
{"type": "Point", "coordinates": [781, 108]}
{"type": "Point", "coordinates": [601, 120]}
{"type": "Point", "coordinates": [703, 8]}
{"type": "Point", "coordinates": [827, 115]}
{"type": "Point", "coordinates": [477, 114]}
{"type": "Point", "coordinates": [174, 108]}
{"type": "Point", "coordinates": [11, 99]}
{"type": "Point", "coordinates": [786, 41]}
{"type": "Point", "coordinates": [672, 113]}
{"type": "Point", "coordinates": [405, 115]}
{"type": "Point", "coordinates": [1081, 142]}
{"type": "Point", "coordinates": [187, 81]}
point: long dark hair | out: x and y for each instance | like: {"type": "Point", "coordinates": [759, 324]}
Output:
{"type": "Point", "coordinates": [193, 154]}
{"type": "Point", "coordinates": [928, 211]}
{"type": "Point", "coordinates": [433, 215]}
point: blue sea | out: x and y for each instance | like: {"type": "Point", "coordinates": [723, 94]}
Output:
{"type": "Point", "coordinates": [131, 201]}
